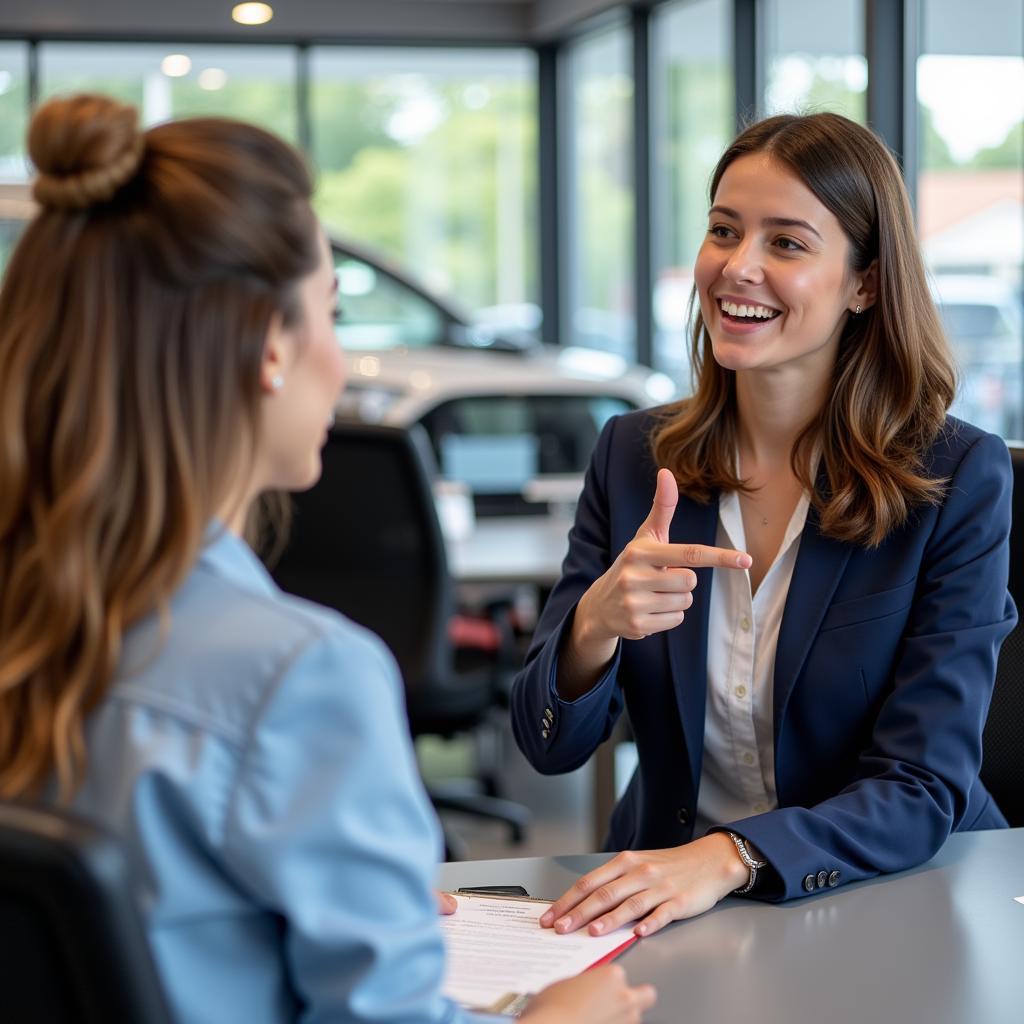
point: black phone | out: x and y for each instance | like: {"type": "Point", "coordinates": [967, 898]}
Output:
{"type": "Point", "coordinates": [493, 890]}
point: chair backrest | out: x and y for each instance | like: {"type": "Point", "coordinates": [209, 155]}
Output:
{"type": "Point", "coordinates": [366, 541]}
{"type": "Point", "coordinates": [73, 949]}
{"type": "Point", "coordinates": [1002, 769]}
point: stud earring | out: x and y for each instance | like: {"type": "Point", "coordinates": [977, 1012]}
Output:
{"type": "Point", "coordinates": [856, 312]}
{"type": "Point", "coordinates": [278, 381]}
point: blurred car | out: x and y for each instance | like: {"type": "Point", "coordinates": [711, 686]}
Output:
{"type": "Point", "coordinates": [982, 318]}
{"type": "Point", "coordinates": [510, 419]}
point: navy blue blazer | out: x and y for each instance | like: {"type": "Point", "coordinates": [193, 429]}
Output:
{"type": "Point", "coordinates": [884, 672]}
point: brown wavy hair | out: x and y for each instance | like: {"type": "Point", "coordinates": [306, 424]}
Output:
{"type": "Point", "coordinates": [133, 318]}
{"type": "Point", "coordinates": [894, 377]}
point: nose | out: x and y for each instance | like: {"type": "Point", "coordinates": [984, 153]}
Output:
{"type": "Point", "coordinates": [745, 264]}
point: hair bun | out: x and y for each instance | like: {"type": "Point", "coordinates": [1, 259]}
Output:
{"type": "Point", "coordinates": [85, 148]}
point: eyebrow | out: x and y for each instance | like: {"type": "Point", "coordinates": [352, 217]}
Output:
{"type": "Point", "coordinates": [775, 222]}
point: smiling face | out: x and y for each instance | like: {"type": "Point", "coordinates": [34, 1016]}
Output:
{"type": "Point", "coordinates": [773, 275]}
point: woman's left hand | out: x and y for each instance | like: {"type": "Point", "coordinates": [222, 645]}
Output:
{"type": "Point", "coordinates": [652, 887]}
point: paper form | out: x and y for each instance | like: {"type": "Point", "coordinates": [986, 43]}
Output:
{"type": "Point", "coordinates": [497, 955]}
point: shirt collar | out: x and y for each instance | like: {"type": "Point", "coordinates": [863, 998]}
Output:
{"type": "Point", "coordinates": [227, 555]}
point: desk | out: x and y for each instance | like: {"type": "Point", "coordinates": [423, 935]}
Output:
{"type": "Point", "coordinates": [511, 549]}
{"type": "Point", "coordinates": [939, 944]}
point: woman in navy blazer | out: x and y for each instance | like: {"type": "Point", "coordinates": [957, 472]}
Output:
{"type": "Point", "coordinates": [844, 739]}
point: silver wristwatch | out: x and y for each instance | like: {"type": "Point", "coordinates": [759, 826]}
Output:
{"type": "Point", "coordinates": [752, 864]}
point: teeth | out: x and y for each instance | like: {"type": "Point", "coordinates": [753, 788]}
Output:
{"type": "Point", "coordinates": [734, 309]}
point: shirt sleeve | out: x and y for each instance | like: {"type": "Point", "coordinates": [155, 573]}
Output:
{"type": "Point", "coordinates": [329, 827]}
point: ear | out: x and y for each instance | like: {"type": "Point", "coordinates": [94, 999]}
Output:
{"type": "Point", "coordinates": [277, 350]}
{"type": "Point", "coordinates": [866, 293]}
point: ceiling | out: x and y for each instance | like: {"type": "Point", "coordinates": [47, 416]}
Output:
{"type": "Point", "coordinates": [392, 20]}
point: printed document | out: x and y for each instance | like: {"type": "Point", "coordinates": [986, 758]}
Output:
{"type": "Point", "coordinates": [498, 955]}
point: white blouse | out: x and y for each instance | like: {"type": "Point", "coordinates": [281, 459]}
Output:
{"type": "Point", "coordinates": [738, 768]}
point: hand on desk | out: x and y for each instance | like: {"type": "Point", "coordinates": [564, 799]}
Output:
{"type": "Point", "coordinates": [652, 887]}
{"type": "Point", "coordinates": [597, 996]}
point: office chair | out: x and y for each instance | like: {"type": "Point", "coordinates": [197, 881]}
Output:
{"type": "Point", "coordinates": [73, 949]}
{"type": "Point", "coordinates": [366, 541]}
{"type": "Point", "coordinates": [1002, 768]}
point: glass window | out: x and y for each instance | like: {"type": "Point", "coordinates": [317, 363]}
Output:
{"type": "Point", "coordinates": [16, 209]}
{"type": "Point", "coordinates": [252, 83]}
{"type": "Point", "coordinates": [970, 192]}
{"type": "Point", "coordinates": [814, 57]}
{"type": "Point", "coordinates": [429, 156]}
{"type": "Point", "coordinates": [693, 118]}
{"type": "Point", "coordinates": [13, 111]}
{"type": "Point", "coordinates": [597, 193]}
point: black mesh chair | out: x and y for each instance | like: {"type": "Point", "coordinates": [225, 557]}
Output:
{"type": "Point", "coordinates": [72, 946]}
{"type": "Point", "coordinates": [366, 541]}
{"type": "Point", "coordinates": [1002, 768]}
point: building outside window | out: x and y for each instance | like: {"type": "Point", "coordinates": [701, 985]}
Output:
{"type": "Point", "coordinates": [970, 197]}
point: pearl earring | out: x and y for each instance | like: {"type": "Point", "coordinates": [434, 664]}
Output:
{"type": "Point", "coordinates": [277, 383]}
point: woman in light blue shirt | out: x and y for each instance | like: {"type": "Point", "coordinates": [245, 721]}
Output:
{"type": "Point", "coordinates": [167, 354]}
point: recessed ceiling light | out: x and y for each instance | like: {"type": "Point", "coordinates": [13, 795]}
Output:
{"type": "Point", "coordinates": [212, 79]}
{"type": "Point", "coordinates": [174, 65]}
{"type": "Point", "coordinates": [252, 14]}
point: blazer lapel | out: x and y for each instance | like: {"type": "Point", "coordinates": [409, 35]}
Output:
{"type": "Point", "coordinates": [688, 643]}
{"type": "Point", "coordinates": [820, 564]}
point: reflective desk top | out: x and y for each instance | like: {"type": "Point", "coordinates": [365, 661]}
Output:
{"type": "Point", "coordinates": [942, 943]}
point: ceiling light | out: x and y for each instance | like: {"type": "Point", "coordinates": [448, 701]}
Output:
{"type": "Point", "coordinates": [252, 14]}
{"type": "Point", "coordinates": [174, 65]}
{"type": "Point", "coordinates": [212, 79]}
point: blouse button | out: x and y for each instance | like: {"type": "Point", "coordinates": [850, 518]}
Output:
{"type": "Point", "coordinates": [748, 758]}
{"type": "Point", "coordinates": [741, 691]}
{"type": "Point", "coordinates": [745, 624]}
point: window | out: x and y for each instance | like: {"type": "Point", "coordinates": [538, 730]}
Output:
{"type": "Point", "coordinates": [253, 83]}
{"type": "Point", "coordinates": [13, 111]}
{"type": "Point", "coordinates": [970, 86]}
{"type": "Point", "coordinates": [815, 57]}
{"type": "Point", "coordinates": [693, 117]}
{"type": "Point", "coordinates": [597, 193]}
{"type": "Point", "coordinates": [429, 157]}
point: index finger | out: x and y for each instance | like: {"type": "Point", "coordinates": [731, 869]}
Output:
{"type": "Point", "coordinates": [584, 886]}
{"type": "Point", "coordinates": [699, 556]}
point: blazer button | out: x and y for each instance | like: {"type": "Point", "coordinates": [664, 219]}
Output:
{"type": "Point", "coordinates": [544, 733]}
{"type": "Point", "coordinates": [549, 714]}
{"type": "Point", "coordinates": [809, 883]}
{"type": "Point", "coordinates": [683, 815]}
{"type": "Point", "coordinates": [822, 879]}
{"type": "Point", "coordinates": [833, 879]}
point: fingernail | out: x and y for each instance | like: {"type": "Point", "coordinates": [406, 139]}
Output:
{"type": "Point", "coordinates": [744, 561]}
{"type": "Point", "coordinates": [546, 918]}
{"type": "Point", "coordinates": [641, 930]}
{"type": "Point", "coordinates": [597, 927]}
{"type": "Point", "coordinates": [564, 924]}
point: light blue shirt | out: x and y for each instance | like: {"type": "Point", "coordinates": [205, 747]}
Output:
{"type": "Point", "coordinates": [256, 760]}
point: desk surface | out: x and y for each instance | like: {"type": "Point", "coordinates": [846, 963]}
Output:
{"type": "Point", "coordinates": [942, 943]}
{"type": "Point", "coordinates": [511, 549]}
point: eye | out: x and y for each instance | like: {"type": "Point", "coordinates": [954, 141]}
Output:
{"type": "Point", "coordinates": [789, 245]}
{"type": "Point", "coordinates": [721, 231]}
